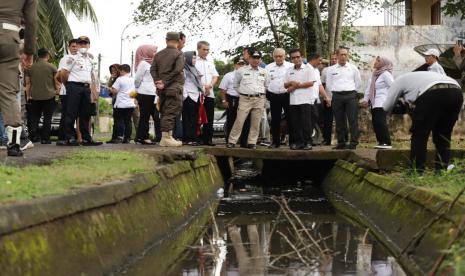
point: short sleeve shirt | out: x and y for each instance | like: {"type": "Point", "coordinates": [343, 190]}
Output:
{"type": "Point", "coordinates": [124, 85]}
{"type": "Point", "coordinates": [277, 74]}
{"type": "Point", "coordinates": [79, 67]}
{"type": "Point", "coordinates": [42, 77]}
{"type": "Point", "coordinates": [207, 72]}
{"type": "Point", "coordinates": [227, 84]}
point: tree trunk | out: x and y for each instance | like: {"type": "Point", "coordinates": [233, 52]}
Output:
{"type": "Point", "coordinates": [301, 25]}
{"type": "Point", "coordinates": [408, 12]}
{"type": "Point", "coordinates": [340, 19]}
{"type": "Point", "coordinates": [315, 28]}
{"type": "Point", "coordinates": [272, 25]}
{"type": "Point", "coordinates": [332, 24]}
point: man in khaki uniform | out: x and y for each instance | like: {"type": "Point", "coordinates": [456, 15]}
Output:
{"type": "Point", "coordinates": [11, 13]}
{"type": "Point", "coordinates": [250, 82]}
{"type": "Point", "coordinates": [168, 74]}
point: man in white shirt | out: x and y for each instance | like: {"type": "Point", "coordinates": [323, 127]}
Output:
{"type": "Point", "coordinates": [343, 81]}
{"type": "Point", "coordinates": [277, 94]}
{"type": "Point", "coordinates": [209, 77]}
{"type": "Point", "coordinates": [230, 101]}
{"type": "Point", "coordinates": [431, 58]}
{"type": "Point", "coordinates": [298, 81]}
{"type": "Point", "coordinates": [437, 101]}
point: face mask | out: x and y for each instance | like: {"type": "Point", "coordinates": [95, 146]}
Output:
{"type": "Point", "coordinates": [83, 51]}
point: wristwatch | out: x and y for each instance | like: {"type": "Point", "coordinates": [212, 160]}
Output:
{"type": "Point", "coordinates": [223, 101]}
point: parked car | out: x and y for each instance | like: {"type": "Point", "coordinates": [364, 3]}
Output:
{"type": "Point", "coordinates": [219, 124]}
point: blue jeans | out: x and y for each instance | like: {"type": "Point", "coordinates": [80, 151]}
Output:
{"type": "Point", "coordinates": [3, 135]}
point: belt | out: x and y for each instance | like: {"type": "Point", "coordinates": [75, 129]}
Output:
{"type": "Point", "coordinates": [79, 83]}
{"type": "Point", "coordinates": [344, 92]}
{"type": "Point", "coordinates": [443, 86]}
{"type": "Point", "coordinates": [252, 95]}
{"type": "Point", "coordinates": [11, 27]}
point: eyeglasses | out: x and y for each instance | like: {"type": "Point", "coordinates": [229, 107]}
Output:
{"type": "Point", "coordinates": [294, 57]}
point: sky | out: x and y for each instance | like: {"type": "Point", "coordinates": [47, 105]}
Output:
{"type": "Point", "coordinates": [114, 17]}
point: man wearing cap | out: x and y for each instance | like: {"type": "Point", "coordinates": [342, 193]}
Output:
{"type": "Point", "coordinates": [230, 101]}
{"type": "Point", "coordinates": [436, 101]}
{"type": "Point", "coordinates": [431, 58]}
{"type": "Point", "coordinates": [41, 89]}
{"type": "Point", "coordinates": [277, 94]}
{"type": "Point", "coordinates": [11, 14]}
{"type": "Point", "coordinates": [209, 77]}
{"type": "Point", "coordinates": [167, 71]}
{"type": "Point", "coordinates": [250, 82]}
{"type": "Point", "coordinates": [77, 75]}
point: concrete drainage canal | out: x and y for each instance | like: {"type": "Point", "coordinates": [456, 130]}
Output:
{"type": "Point", "coordinates": [253, 228]}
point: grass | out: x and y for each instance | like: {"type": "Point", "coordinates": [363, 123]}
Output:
{"type": "Point", "coordinates": [445, 183]}
{"type": "Point", "coordinates": [80, 169]}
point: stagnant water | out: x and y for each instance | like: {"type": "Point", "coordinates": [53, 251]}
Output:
{"type": "Point", "coordinates": [258, 230]}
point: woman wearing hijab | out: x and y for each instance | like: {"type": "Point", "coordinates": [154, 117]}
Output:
{"type": "Point", "coordinates": [146, 94]}
{"type": "Point", "coordinates": [192, 94]}
{"type": "Point", "coordinates": [375, 96]}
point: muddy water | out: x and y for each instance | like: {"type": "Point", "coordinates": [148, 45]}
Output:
{"type": "Point", "coordinates": [257, 230]}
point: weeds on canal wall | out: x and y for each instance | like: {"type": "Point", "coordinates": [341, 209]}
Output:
{"type": "Point", "coordinates": [80, 169]}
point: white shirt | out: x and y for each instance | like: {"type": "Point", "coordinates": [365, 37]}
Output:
{"type": "Point", "coordinates": [227, 84]}
{"type": "Point", "coordinates": [382, 85]}
{"type": "Point", "coordinates": [301, 95]}
{"type": "Point", "coordinates": [324, 74]}
{"type": "Point", "coordinates": [143, 81]}
{"type": "Point", "coordinates": [436, 67]}
{"type": "Point", "coordinates": [61, 66]}
{"type": "Point", "coordinates": [277, 74]}
{"type": "Point", "coordinates": [412, 85]}
{"type": "Point", "coordinates": [343, 78]}
{"type": "Point", "coordinates": [124, 85]}
{"type": "Point", "coordinates": [79, 67]}
{"type": "Point", "coordinates": [190, 89]}
{"type": "Point", "coordinates": [316, 85]}
{"type": "Point", "coordinates": [207, 71]}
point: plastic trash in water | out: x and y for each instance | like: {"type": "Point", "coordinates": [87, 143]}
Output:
{"type": "Point", "coordinates": [220, 193]}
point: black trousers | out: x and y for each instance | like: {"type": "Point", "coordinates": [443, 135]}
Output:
{"type": "Point", "coordinates": [147, 109]}
{"type": "Point", "coordinates": [124, 122]}
{"type": "Point", "coordinates": [190, 116]}
{"type": "Point", "coordinates": [207, 129]}
{"type": "Point", "coordinates": [378, 119]}
{"type": "Point", "coordinates": [61, 130]}
{"type": "Point", "coordinates": [231, 114]}
{"type": "Point", "coordinates": [41, 108]}
{"type": "Point", "coordinates": [113, 133]}
{"type": "Point", "coordinates": [325, 121]}
{"type": "Point", "coordinates": [435, 111]}
{"type": "Point", "coordinates": [77, 106]}
{"type": "Point", "coordinates": [278, 104]}
{"type": "Point", "coordinates": [345, 108]}
{"type": "Point", "coordinates": [301, 122]}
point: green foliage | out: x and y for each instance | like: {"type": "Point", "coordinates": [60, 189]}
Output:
{"type": "Point", "coordinates": [454, 8]}
{"type": "Point", "coordinates": [82, 168]}
{"type": "Point", "coordinates": [104, 107]}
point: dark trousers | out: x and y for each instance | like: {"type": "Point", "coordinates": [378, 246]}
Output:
{"type": "Point", "coordinates": [38, 109]}
{"type": "Point", "coordinates": [301, 121]}
{"type": "Point", "coordinates": [147, 109]}
{"type": "Point", "coordinates": [278, 104]}
{"type": "Point", "coordinates": [231, 114]}
{"type": "Point", "coordinates": [345, 108]}
{"type": "Point", "coordinates": [435, 111]}
{"type": "Point", "coordinates": [207, 129]}
{"type": "Point", "coordinates": [113, 133]}
{"type": "Point", "coordinates": [61, 130]}
{"type": "Point", "coordinates": [190, 116]}
{"type": "Point", "coordinates": [124, 122]}
{"type": "Point", "coordinates": [378, 119]}
{"type": "Point", "coordinates": [77, 106]}
{"type": "Point", "coordinates": [326, 122]}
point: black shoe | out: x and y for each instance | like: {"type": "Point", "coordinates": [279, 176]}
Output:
{"type": "Point", "coordinates": [126, 141]}
{"type": "Point", "coordinates": [252, 146]}
{"type": "Point", "coordinates": [326, 143]}
{"type": "Point", "coordinates": [112, 141]}
{"type": "Point", "coordinates": [230, 145]}
{"type": "Point", "coordinates": [294, 147]}
{"type": "Point", "coordinates": [72, 143]}
{"type": "Point", "coordinates": [307, 147]}
{"type": "Point", "coordinates": [90, 143]}
{"type": "Point", "coordinates": [209, 143]}
{"type": "Point", "coordinates": [45, 142]}
{"type": "Point", "coordinates": [61, 143]}
{"type": "Point", "coordinates": [144, 142]}
{"type": "Point", "coordinates": [117, 141]}
{"type": "Point", "coordinates": [340, 147]}
{"type": "Point", "coordinates": [351, 146]}
{"type": "Point", "coordinates": [273, 146]}
{"type": "Point", "coordinates": [14, 150]}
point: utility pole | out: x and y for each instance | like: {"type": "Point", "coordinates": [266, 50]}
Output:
{"type": "Point", "coordinates": [99, 63]}
{"type": "Point", "coordinates": [132, 62]}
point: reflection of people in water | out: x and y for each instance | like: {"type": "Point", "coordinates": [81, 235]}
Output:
{"type": "Point", "coordinates": [255, 263]}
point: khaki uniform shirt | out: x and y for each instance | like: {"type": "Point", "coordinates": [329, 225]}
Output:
{"type": "Point", "coordinates": [249, 81]}
{"type": "Point", "coordinates": [12, 11]}
{"type": "Point", "coordinates": [42, 80]}
{"type": "Point", "coordinates": [168, 66]}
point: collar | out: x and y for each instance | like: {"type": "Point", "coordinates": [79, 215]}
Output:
{"type": "Point", "coordinates": [345, 65]}
{"type": "Point", "coordinates": [201, 58]}
{"type": "Point", "coordinates": [251, 68]}
{"type": "Point", "coordinates": [302, 66]}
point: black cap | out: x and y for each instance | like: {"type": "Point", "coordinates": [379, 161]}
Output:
{"type": "Point", "coordinates": [256, 54]}
{"type": "Point", "coordinates": [83, 40]}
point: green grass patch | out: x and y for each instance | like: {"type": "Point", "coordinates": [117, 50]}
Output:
{"type": "Point", "coordinates": [444, 183]}
{"type": "Point", "coordinates": [80, 169]}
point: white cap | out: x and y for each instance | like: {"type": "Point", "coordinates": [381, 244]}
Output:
{"type": "Point", "coordinates": [432, 52]}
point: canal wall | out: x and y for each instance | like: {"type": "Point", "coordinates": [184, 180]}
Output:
{"type": "Point", "coordinates": [416, 226]}
{"type": "Point", "coordinates": [94, 230]}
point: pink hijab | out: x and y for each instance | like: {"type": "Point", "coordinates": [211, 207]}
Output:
{"type": "Point", "coordinates": [145, 52]}
{"type": "Point", "coordinates": [385, 65]}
